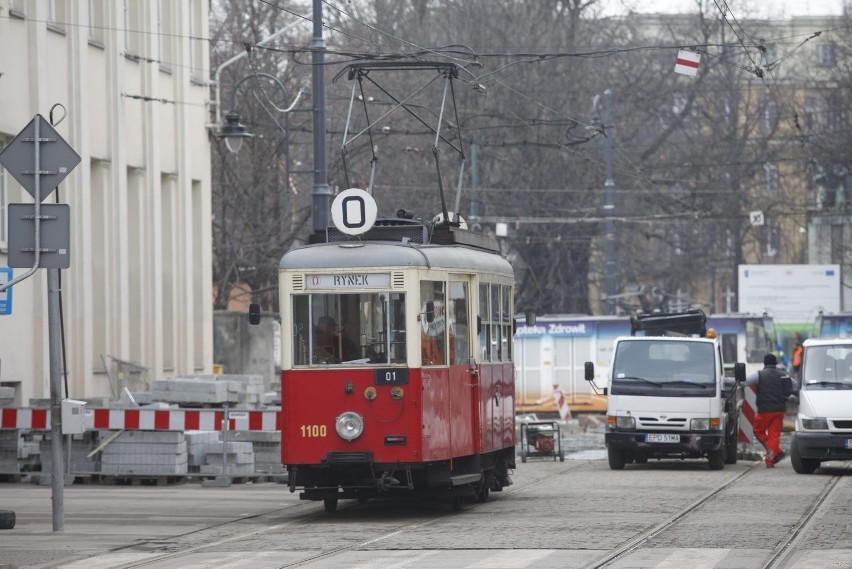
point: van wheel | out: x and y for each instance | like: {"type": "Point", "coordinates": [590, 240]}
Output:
{"type": "Point", "coordinates": [616, 458]}
{"type": "Point", "coordinates": [731, 447]}
{"type": "Point", "coordinates": [717, 458]}
{"type": "Point", "coordinates": [802, 465]}
{"type": "Point", "coordinates": [330, 504]}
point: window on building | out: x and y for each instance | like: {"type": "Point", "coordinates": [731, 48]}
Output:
{"type": "Point", "coordinates": [835, 114]}
{"type": "Point", "coordinates": [811, 117]}
{"type": "Point", "coordinates": [770, 54]}
{"type": "Point", "coordinates": [198, 44]}
{"type": "Point", "coordinates": [96, 21]}
{"type": "Point", "coordinates": [18, 8]}
{"type": "Point", "coordinates": [770, 238]}
{"type": "Point", "coordinates": [133, 26]}
{"type": "Point", "coordinates": [768, 113]}
{"type": "Point", "coordinates": [165, 35]}
{"type": "Point", "coordinates": [56, 15]}
{"type": "Point", "coordinates": [770, 177]}
{"type": "Point", "coordinates": [825, 55]}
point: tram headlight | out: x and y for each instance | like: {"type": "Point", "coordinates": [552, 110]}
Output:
{"type": "Point", "coordinates": [349, 425]}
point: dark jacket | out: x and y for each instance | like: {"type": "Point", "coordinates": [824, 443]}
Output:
{"type": "Point", "coordinates": [774, 386]}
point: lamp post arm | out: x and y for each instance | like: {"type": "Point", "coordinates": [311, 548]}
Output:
{"type": "Point", "coordinates": [243, 54]}
{"type": "Point", "coordinates": [272, 78]}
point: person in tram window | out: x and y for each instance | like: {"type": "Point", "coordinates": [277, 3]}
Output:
{"type": "Point", "coordinates": [329, 345]}
{"type": "Point", "coordinates": [773, 387]}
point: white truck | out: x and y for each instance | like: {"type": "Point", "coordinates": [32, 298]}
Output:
{"type": "Point", "coordinates": [668, 396]}
{"type": "Point", "coordinates": [824, 420]}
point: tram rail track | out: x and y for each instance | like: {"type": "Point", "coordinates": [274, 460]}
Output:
{"type": "Point", "coordinates": [779, 554]}
{"type": "Point", "coordinates": [316, 513]}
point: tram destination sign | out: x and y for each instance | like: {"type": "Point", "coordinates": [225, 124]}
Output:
{"type": "Point", "coordinates": [337, 281]}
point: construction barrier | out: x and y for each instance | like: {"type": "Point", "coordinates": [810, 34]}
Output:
{"type": "Point", "coordinates": [747, 414]}
{"type": "Point", "coordinates": [38, 419]}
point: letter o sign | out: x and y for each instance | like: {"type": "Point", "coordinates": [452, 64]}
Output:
{"type": "Point", "coordinates": [353, 211]}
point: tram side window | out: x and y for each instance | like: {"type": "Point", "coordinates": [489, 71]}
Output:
{"type": "Point", "coordinates": [506, 323]}
{"type": "Point", "coordinates": [485, 328]}
{"type": "Point", "coordinates": [494, 322]}
{"type": "Point", "coordinates": [432, 334]}
{"type": "Point", "coordinates": [458, 323]}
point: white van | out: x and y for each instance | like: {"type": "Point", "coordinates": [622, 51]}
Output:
{"type": "Point", "coordinates": [668, 396]}
{"type": "Point", "coordinates": [824, 423]}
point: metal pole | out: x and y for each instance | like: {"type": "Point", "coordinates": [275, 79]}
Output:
{"type": "Point", "coordinates": [474, 185]}
{"type": "Point", "coordinates": [320, 193]}
{"type": "Point", "coordinates": [55, 350]}
{"type": "Point", "coordinates": [609, 203]}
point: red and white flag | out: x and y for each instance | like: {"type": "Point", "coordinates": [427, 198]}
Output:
{"type": "Point", "coordinates": [687, 63]}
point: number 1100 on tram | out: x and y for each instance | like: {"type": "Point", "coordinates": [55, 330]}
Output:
{"type": "Point", "coordinates": [397, 374]}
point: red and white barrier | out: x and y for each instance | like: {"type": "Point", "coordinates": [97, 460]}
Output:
{"type": "Point", "coordinates": [747, 414]}
{"type": "Point", "coordinates": [148, 419]}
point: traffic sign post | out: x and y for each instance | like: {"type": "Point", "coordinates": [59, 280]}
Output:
{"type": "Point", "coordinates": [39, 159]}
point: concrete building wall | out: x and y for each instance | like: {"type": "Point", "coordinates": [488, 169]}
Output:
{"type": "Point", "coordinates": [132, 77]}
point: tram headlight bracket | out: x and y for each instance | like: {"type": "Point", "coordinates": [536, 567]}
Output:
{"type": "Point", "coordinates": [349, 425]}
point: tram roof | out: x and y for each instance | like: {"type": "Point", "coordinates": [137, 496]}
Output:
{"type": "Point", "coordinates": [394, 254]}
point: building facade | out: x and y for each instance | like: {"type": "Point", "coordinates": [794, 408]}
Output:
{"type": "Point", "coordinates": [132, 79]}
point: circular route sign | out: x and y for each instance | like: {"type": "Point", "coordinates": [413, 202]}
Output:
{"type": "Point", "coordinates": [353, 211]}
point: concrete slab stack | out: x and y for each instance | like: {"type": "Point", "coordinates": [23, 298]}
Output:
{"type": "Point", "coordinates": [80, 462]}
{"type": "Point", "coordinates": [145, 453]}
{"type": "Point", "coordinates": [267, 449]}
{"type": "Point", "coordinates": [9, 452]}
{"type": "Point", "coordinates": [229, 458]}
{"type": "Point", "coordinates": [197, 443]}
{"type": "Point", "coordinates": [193, 391]}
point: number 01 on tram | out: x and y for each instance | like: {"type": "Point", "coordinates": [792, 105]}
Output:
{"type": "Point", "coordinates": [397, 375]}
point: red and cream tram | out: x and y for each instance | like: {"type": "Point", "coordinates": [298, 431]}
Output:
{"type": "Point", "coordinates": [397, 374]}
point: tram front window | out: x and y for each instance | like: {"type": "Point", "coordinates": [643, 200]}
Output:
{"type": "Point", "coordinates": [348, 329]}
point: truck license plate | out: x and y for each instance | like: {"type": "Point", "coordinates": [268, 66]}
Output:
{"type": "Point", "coordinates": [661, 438]}
{"type": "Point", "coordinates": [848, 443]}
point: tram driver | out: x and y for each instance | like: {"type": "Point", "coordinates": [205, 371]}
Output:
{"type": "Point", "coordinates": [330, 347]}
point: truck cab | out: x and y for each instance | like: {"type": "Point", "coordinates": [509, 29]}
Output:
{"type": "Point", "coordinates": [824, 421]}
{"type": "Point", "coordinates": [668, 396]}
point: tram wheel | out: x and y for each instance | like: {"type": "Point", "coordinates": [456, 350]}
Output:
{"type": "Point", "coordinates": [7, 519]}
{"type": "Point", "coordinates": [330, 504]}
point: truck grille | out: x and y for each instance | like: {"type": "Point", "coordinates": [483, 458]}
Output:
{"type": "Point", "coordinates": [658, 423]}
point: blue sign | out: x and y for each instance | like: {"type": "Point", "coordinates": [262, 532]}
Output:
{"type": "Point", "coordinates": [6, 295]}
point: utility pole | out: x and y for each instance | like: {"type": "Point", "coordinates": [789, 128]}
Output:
{"type": "Point", "coordinates": [605, 123]}
{"type": "Point", "coordinates": [320, 193]}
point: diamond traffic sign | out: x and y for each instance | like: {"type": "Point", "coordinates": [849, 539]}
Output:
{"type": "Point", "coordinates": [55, 156]}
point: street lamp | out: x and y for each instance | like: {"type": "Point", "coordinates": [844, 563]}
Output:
{"type": "Point", "coordinates": [233, 131]}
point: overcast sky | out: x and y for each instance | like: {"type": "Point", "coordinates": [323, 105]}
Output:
{"type": "Point", "coordinates": [740, 8]}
